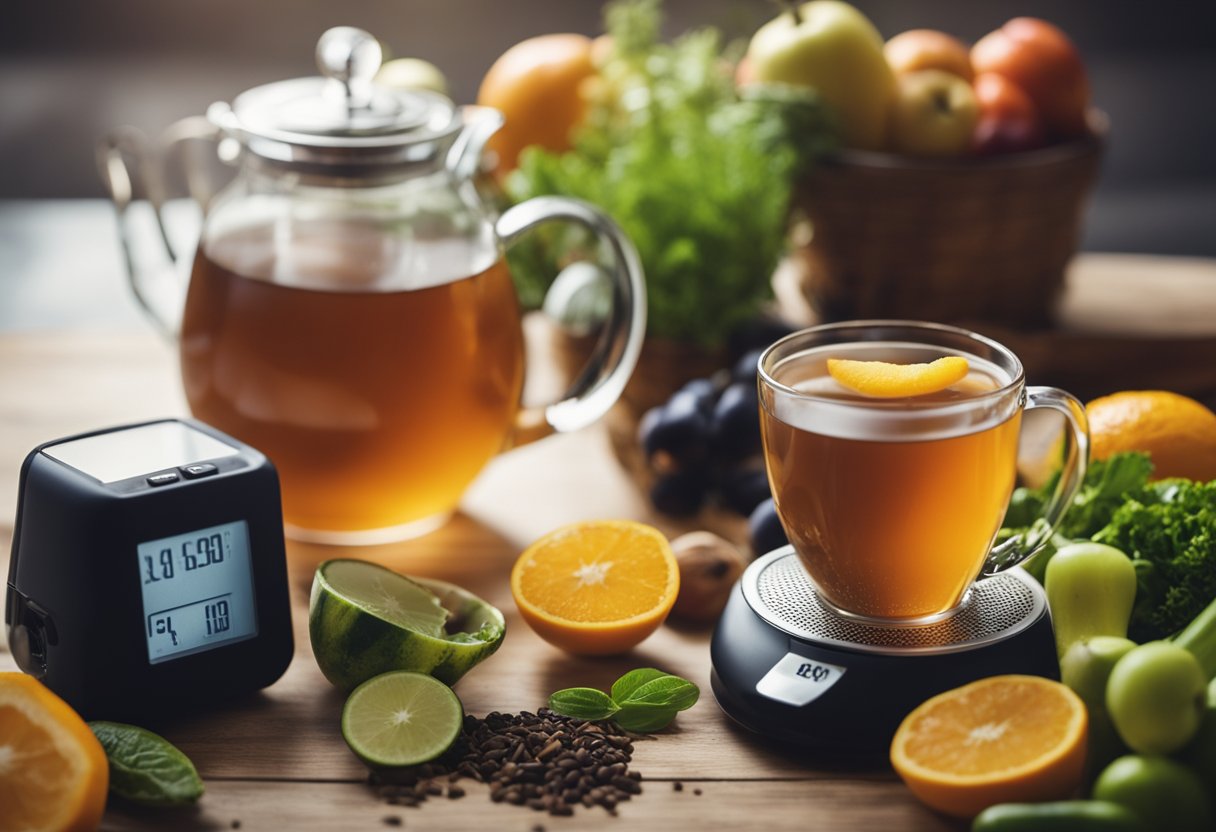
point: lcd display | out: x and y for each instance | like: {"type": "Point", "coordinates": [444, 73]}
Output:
{"type": "Point", "coordinates": [197, 591]}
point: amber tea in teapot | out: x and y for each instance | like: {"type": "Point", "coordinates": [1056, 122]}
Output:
{"type": "Point", "coordinates": [378, 401]}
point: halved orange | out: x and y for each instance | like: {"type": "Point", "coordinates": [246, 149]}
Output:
{"type": "Point", "coordinates": [1004, 739]}
{"type": "Point", "coordinates": [596, 587]}
{"type": "Point", "coordinates": [53, 771]}
{"type": "Point", "coordinates": [889, 381]}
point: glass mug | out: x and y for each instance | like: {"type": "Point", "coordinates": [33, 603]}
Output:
{"type": "Point", "coordinates": [893, 504]}
{"type": "Point", "coordinates": [349, 312]}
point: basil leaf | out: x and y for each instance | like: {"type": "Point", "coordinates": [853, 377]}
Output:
{"type": "Point", "coordinates": [583, 703]}
{"type": "Point", "coordinates": [145, 767]}
{"type": "Point", "coordinates": [643, 718]}
{"type": "Point", "coordinates": [633, 680]}
{"type": "Point", "coordinates": [666, 691]}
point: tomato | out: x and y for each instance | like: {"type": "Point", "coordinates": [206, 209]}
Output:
{"type": "Point", "coordinates": [537, 85]}
{"type": "Point", "coordinates": [1042, 61]}
{"type": "Point", "coordinates": [1008, 121]}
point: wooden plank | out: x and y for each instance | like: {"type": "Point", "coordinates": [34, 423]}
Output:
{"type": "Point", "coordinates": [793, 806]}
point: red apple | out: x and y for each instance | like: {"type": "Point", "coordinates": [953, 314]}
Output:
{"type": "Point", "coordinates": [1043, 62]}
{"type": "Point", "coordinates": [1009, 121]}
{"type": "Point", "coordinates": [918, 49]}
{"type": "Point", "coordinates": [934, 114]}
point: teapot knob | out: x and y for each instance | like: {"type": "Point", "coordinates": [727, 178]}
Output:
{"type": "Point", "coordinates": [351, 57]}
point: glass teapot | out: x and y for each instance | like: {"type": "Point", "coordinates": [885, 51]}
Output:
{"type": "Point", "coordinates": [349, 311]}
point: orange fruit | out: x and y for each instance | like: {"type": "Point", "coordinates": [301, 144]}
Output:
{"type": "Point", "coordinates": [537, 85]}
{"type": "Point", "coordinates": [883, 380]}
{"type": "Point", "coordinates": [597, 587]}
{"type": "Point", "coordinates": [1177, 432]}
{"type": "Point", "coordinates": [999, 740]}
{"type": "Point", "coordinates": [53, 771]}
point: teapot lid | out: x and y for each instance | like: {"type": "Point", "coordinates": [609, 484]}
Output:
{"type": "Point", "coordinates": [342, 118]}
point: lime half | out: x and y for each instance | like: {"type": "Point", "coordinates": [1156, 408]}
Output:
{"type": "Point", "coordinates": [401, 719]}
{"type": "Point", "coordinates": [364, 620]}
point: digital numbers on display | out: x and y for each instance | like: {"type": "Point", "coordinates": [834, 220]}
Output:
{"type": "Point", "coordinates": [197, 590]}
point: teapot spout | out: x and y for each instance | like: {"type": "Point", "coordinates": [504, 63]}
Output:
{"type": "Point", "coordinates": [480, 123]}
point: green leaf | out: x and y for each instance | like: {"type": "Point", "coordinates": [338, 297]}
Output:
{"type": "Point", "coordinates": [583, 703]}
{"type": "Point", "coordinates": [145, 767]}
{"type": "Point", "coordinates": [666, 692]}
{"type": "Point", "coordinates": [644, 718]}
{"type": "Point", "coordinates": [633, 680]}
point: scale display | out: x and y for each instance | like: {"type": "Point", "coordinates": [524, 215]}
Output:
{"type": "Point", "coordinates": [197, 591]}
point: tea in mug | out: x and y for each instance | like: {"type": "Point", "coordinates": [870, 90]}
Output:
{"type": "Point", "coordinates": [892, 504]}
{"type": "Point", "coordinates": [378, 380]}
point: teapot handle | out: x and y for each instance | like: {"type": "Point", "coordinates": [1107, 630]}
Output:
{"type": "Point", "coordinates": [128, 162]}
{"type": "Point", "coordinates": [601, 382]}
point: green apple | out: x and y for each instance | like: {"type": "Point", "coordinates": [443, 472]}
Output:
{"type": "Point", "coordinates": [1156, 697]}
{"type": "Point", "coordinates": [412, 74]}
{"type": "Point", "coordinates": [934, 114]}
{"type": "Point", "coordinates": [1085, 668]}
{"type": "Point", "coordinates": [1090, 589]}
{"type": "Point", "coordinates": [832, 47]}
{"type": "Point", "coordinates": [1163, 793]}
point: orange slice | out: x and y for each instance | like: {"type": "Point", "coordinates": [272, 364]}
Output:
{"type": "Point", "coordinates": [596, 587]}
{"type": "Point", "coordinates": [53, 771]}
{"type": "Point", "coordinates": [999, 740]}
{"type": "Point", "coordinates": [890, 381]}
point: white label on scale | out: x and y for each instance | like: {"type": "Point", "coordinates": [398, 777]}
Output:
{"type": "Point", "coordinates": [797, 680]}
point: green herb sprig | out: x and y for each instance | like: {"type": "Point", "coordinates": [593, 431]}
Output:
{"type": "Point", "coordinates": [145, 767]}
{"type": "Point", "coordinates": [643, 700]}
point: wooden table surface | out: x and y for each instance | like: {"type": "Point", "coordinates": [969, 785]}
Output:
{"type": "Point", "coordinates": [277, 760]}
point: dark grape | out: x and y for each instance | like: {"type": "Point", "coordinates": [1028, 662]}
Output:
{"type": "Point", "coordinates": [681, 493]}
{"type": "Point", "coordinates": [757, 334]}
{"type": "Point", "coordinates": [745, 368]}
{"type": "Point", "coordinates": [703, 391]}
{"type": "Point", "coordinates": [680, 430]}
{"type": "Point", "coordinates": [745, 488]}
{"type": "Point", "coordinates": [764, 529]}
{"type": "Point", "coordinates": [736, 422]}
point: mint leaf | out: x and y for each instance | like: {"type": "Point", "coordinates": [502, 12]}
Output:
{"type": "Point", "coordinates": [634, 679]}
{"type": "Point", "coordinates": [145, 767]}
{"type": "Point", "coordinates": [644, 718]}
{"type": "Point", "coordinates": [670, 692]}
{"type": "Point", "coordinates": [583, 703]}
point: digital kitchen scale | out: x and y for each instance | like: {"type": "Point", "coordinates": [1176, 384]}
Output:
{"type": "Point", "coordinates": [786, 667]}
{"type": "Point", "coordinates": [148, 569]}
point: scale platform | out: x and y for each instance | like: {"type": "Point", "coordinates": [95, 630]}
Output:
{"type": "Point", "coordinates": [787, 667]}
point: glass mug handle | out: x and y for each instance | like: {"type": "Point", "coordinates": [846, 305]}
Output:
{"type": "Point", "coordinates": [601, 382]}
{"type": "Point", "coordinates": [1020, 547]}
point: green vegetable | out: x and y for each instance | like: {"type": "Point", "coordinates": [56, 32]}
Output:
{"type": "Point", "coordinates": [1200, 755]}
{"type": "Point", "coordinates": [1199, 638]}
{"type": "Point", "coordinates": [643, 700]}
{"type": "Point", "coordinates": [1091, 588]}
{"type": "Point", "coordinates": [1168, 528]}
{"type": "Point", "coordinates": [1058, 816]}
{"type": "Point", "coordinates": [1163, 793]}
{"type": "Point", "coordinates": [698, 178]}
{"type": "Point", "coordinates": [145, 767]}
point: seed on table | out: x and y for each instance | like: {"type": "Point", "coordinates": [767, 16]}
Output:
{"type": "Point", "coordinates": [697, 792]}
{"type": "Point", "coordinates": [455, 792]}
{"type": "Point", "coordinates": [391, 820]}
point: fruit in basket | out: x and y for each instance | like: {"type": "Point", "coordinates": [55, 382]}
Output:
{"type": "Point", "coordinates": [53, 771]}
{"type": "Point", "coordinates": [918, 49]}
{"type": "Point", "coordinates": [596, 587]}
{"type": "Point", "coordinates": [1163, 793]}
{"type": "Point", "coordinates": [1177, 432]}
{"type": "Point", "coordinates": [1009, 122]}
{"type": "Point", "coordinates": [1156, 697]}
{"type": "Point", "coordinates": [537, 84]}
{"type": "Point", "coordinates": [364, 620]}
{"type": "Point", "coordinates": [412, 74]}
{"type": "Point", "coordinates": [834, 48]}
{"type": "Point", "coordinates": [1043, 62]}
{"type": "Point", "coordinates": [934, 114]}
{"type": "Point", "coordinates": [999, 740]}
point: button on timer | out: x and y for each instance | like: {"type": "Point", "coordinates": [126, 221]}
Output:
{"type": "Point", "coordinates": [163, 478]}
{"type": "Point", "coordinates": [198, 469]}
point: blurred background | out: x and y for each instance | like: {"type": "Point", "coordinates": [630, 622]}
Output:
{"type": "Point", "coordinates": [72, 69]}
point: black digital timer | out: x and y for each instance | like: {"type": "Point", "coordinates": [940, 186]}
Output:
{"type": "Point", "coordinates": [148, 569]}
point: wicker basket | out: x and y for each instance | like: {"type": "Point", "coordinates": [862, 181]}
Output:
{"type": "Point", "coordinates": [946, 240]}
